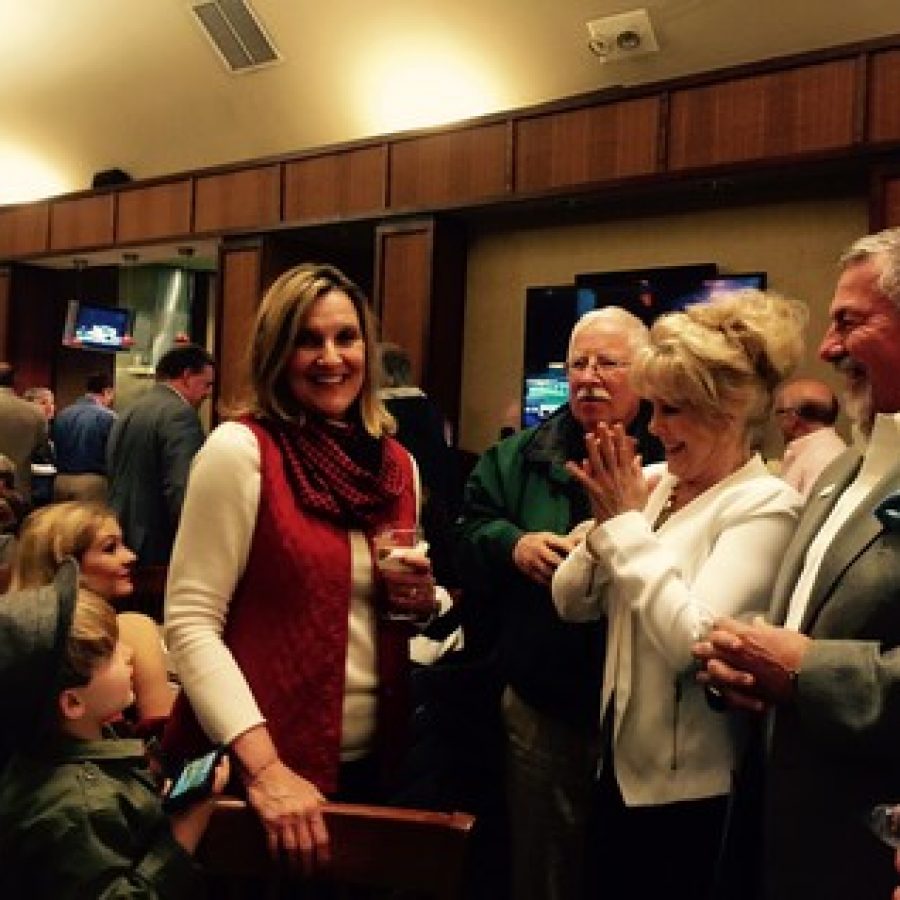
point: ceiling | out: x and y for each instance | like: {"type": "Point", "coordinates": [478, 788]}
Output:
{"type": "Point", "coordinates": [88, 85]}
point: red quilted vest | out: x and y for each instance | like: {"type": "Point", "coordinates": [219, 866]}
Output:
{"type": "Point", "coordinates": [287, 626]}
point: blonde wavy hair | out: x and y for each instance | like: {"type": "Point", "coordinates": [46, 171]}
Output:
{"type": "Point", "coordinates": [92, 638]}
{"type": "Point", "coordinates": [724, 358]}
{"type": "Point", "coordinates": [52, 533]}
{"type": "Point", "coordinates": [282, 313]}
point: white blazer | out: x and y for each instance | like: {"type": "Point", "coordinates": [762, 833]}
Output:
{"type": "Point", "coordinates": [661, 590]}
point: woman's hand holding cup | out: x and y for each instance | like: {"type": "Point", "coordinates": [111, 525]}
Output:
{"type": "Point", "coordinates": [401, 556]}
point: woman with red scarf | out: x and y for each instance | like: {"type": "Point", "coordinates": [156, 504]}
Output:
{"type": "Point", "coordinates": [270, 608]}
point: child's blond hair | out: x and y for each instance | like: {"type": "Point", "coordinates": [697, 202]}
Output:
{"type": "Point", "coordinates": [92, 639]}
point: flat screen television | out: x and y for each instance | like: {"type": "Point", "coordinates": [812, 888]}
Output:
{"type": "Point", "coordinates": [723, 284]}
{"type": "Point", "coordinates": [648, 293]}
{"type": "Point", "coordinates": [550, 313]}
{"type": "Point", "coordinates": [91, 326]}
{"type": "Point", "coordinates": [545, 392]}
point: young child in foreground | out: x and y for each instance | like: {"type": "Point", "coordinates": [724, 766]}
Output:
{"type": "Point", "coordinates": [80, 813]}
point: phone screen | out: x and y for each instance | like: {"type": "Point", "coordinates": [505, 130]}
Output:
{"type": "Point", "coordinates": [194, 781]}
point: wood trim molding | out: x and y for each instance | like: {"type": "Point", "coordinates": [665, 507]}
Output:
{"type": "Point", "coordinates": [837, 103]}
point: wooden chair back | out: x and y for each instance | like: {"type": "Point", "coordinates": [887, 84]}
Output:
{"type": "Point", "coordinates": [420, 853]}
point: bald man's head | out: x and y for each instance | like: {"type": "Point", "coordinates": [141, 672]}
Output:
{"type": "Point", "coordinates": [803, 406]}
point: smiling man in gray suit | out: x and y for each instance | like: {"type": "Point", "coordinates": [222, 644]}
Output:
{"type": "Point", "coordinates": [831, 669]}
{"type": "Point", "coordinates": [150, 450]}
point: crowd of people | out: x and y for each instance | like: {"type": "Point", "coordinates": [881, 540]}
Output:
{"type": "Point", "coordinates": [695, 659]}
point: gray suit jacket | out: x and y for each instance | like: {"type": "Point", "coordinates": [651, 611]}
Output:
{"type": "Point", "coordinates": [149, 456]}
{"type": "Point", "coordinates": [23, 429]}
{"type": "Point", "coordinates": [836, 751]}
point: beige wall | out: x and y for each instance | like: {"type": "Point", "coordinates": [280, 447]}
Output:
{"type": "Point", "coordinates": [797, 243]}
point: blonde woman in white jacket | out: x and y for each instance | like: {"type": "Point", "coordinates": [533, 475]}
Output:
{"type": "Point", "coordinates": [663, 564]}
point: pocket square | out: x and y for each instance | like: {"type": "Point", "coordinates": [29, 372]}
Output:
{"type": "Point", "coordinates": [826, 491]}
{"type": "Point", "coordinates": [888, 512]}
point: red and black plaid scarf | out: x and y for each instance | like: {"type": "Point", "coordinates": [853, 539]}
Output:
{"type": "Point", "coordinates": [338, 471]}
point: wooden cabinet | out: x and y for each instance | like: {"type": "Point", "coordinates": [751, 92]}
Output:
{"type": "Point", "coordinates": [804, 110]}
{"type": "Point", "coordinates": [583, 146]}
{"type": "Point", "coordinates": [161, 210]}
{"type": "Point", "coordinates": [888, 202]}
{"type": "Point", "coordinates": [420, 296]}
{"type": "Point", "coordinates": [450, 168]}
{"type": "Point", "coordinates": [24, 229]}
{"type": "Point", "coordinates": [240, 269]}
{"type": "Point", "coordinates": [80, 222]}
{"type": "Point", "coordinates": [5, 279]}
{"type": "Point", "coordinates": [248, 198]}
{"type": "Point", "coordinates": [884, 96]}
{"type": "Point", "coordinates": [335, 185]}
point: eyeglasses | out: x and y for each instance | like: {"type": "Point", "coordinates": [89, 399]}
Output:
{"type": "Point", "coordinates": [596, 362]}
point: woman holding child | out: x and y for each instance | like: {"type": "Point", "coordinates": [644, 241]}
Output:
{"type": "Point", "coordinates": [270, 608]}
{"type": "Point", "coordinates": [662, 564]}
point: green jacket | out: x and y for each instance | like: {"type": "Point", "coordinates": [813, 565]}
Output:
{"type": "Point", "coordinates": [82, 819]}
{"type": "Point", "coordinates": [521, 485]}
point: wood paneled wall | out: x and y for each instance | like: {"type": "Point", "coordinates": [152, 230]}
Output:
{"type": "Point", "coordinates": [884, 96]}
{"type": "Point", "coordinates": [453, 167]}
{"type": "Point", "coordinates": [82, 222]}
{"type": "Point", "coordinates": [889, 202]}
{"type": "Point", "coordinates": [158, 211]}
{"type": "Point", "coordinates": [240, 280]}
{"type": "Point", "coordinates": [24, 230]}
{"type": "Point", "coordinates": [36, 315]}
{"type": "Point", "coordinates": [5, 294]}
{"type": "Point", "coordinates": [349, 183]}
{"type": "Point", "coordinates": [243, 199]}
{"type": "Point", "coordinates": [419, 297]}
{"type": "Point", "coordinates": [599, 143]}
{"type": "Point", "coordinates": [774, 116]}
{"type": "Point", "coordinates": [841, 101]}
{"type": "Point", "coordinates": [403, 288]}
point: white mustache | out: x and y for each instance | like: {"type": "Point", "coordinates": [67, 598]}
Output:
{"type": "Point", "coordinates": [592, 392]}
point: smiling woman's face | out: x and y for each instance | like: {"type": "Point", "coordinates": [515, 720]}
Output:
{"type": "Point", "coordinates": [700, 450]}
{"type": "Point", "coordinates": [327, 369]}
{"type": "Point", "coordinates": [106, 564]}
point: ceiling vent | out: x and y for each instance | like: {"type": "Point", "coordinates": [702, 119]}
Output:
{"type": "Point", "coordinates": [236, 34]}
{"type": "Point", "coordinates": [622, 37]}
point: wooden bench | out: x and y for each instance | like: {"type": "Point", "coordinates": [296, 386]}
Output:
{"type": "Point", "coordinates": [422, 854]}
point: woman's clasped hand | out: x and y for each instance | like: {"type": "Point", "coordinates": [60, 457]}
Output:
{"type": "Point", "coordinates": [611, 474]}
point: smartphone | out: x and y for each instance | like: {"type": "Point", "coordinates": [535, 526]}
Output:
{"type": "Point", "coordinates": [194, 782]}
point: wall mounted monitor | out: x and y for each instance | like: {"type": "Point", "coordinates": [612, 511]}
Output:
{"type": "Point", "coordinates": [648, 293]}
{"type": "Point", "coordinates": [723, 284]}
{"type": "Point", "coordinates": [550, 313]}
{"type": "Point", "coordinates": [91, 326]}
{"type": "Point", "coordinates": [544, 393]}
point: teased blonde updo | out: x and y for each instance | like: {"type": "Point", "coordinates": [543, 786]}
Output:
{"type": "Point", "coordinates": [724, 358]}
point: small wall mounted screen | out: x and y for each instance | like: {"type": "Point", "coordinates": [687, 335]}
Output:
{"type": "Point", "coordinates": [94, 327]}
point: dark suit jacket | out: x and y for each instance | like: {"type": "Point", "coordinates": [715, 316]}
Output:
{"type": "Point", "coordinates": [836, 751]}
{"type": "Point", "coordinates": [23, 429]}
{"type": "Point", "coordinates": [149, 456]}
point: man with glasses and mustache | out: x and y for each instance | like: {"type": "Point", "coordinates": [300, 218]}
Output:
{"type": "Point", "coordinates": [519, 507]}
{"type": "Point", "coordinates": [829, 666]}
